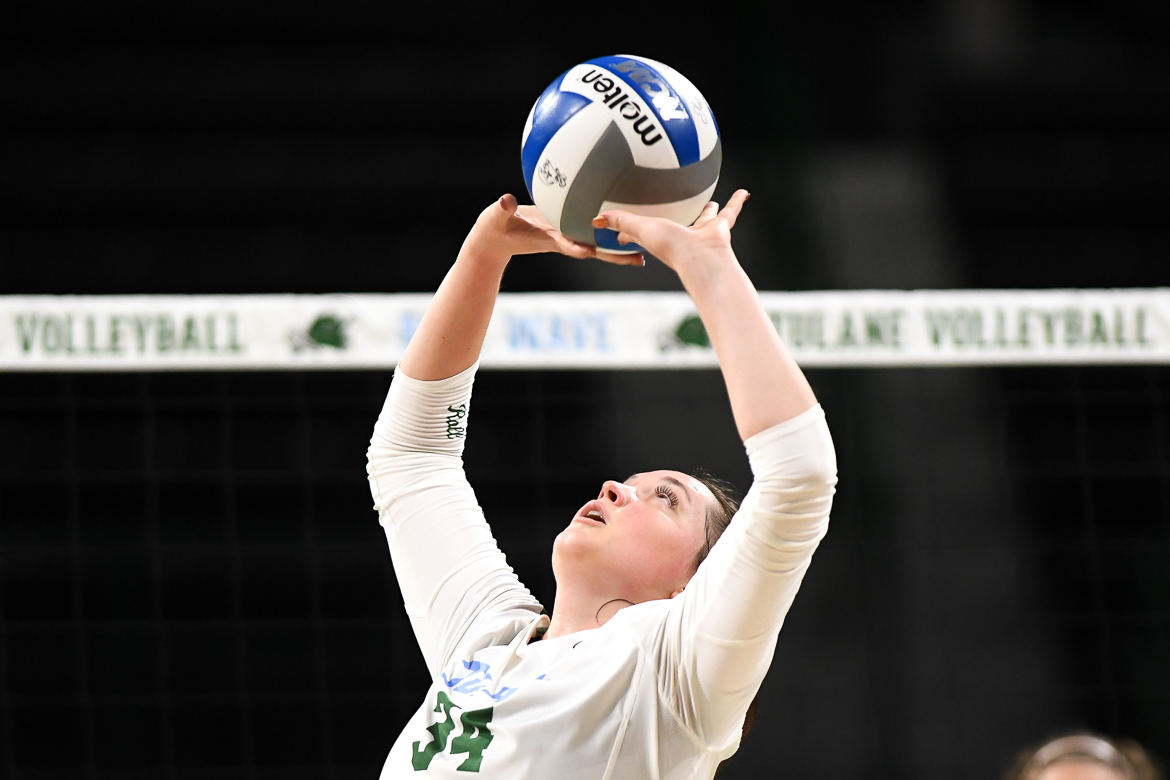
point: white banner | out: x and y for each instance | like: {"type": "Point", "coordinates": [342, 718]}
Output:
{"type": "Point", "coordinates": [584, 330]}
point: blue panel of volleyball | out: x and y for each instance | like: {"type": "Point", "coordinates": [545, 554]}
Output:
{"type": "Point", "coordinates": [620, 132]}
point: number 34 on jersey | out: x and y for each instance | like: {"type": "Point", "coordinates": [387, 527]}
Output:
{"type": "Point", "coordinates": [473, 740]}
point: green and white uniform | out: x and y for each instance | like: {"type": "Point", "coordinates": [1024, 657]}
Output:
{"type": "Point", "coordinates": [659, 692]}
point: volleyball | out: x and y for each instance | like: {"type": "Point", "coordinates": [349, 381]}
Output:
{"type": "Point", "coordinates": [619, 132]}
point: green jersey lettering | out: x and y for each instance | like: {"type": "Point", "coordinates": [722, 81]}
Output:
{"type": "Point", "coordinates": [439, 733]}
{"type": "Point", "coordinates": [473, 740]}
{"type": "Point", "coordinates": [474, 721]}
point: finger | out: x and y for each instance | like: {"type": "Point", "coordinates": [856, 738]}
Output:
{"type": "Point", "coordinates": [499, 213]}
{"type": "Point", "coordinates": [570, 248]}
{"type": "Point", "coordinates": [507, 203]}
{"type": "Point", "coordinates": [532, 216]}
{"type": "Point", "coordinates": [528, 223]}
{"type": "Point", "coordinates": [731, 210]}
{"type": "Point", "coordinates": [583, 251]}
{"type": "Point", "coordinates": [635, 259]}
{"type": "Point", "coordinates": [709, 212]}
{"type": "Point", "coordinates": [629, 227]}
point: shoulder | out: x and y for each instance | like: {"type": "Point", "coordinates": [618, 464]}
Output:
{"type": "Point", "coordinates": [646, 619]}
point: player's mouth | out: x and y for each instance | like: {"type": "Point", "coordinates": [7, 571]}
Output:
{"type": "Point", "coordinates": [592, 513]}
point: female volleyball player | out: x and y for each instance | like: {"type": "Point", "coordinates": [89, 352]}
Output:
{"type": "Point", "coordinates": [659, 638]}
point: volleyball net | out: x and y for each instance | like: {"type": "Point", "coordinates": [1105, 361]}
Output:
{"type": "Point", "coordinates": [602, 330]}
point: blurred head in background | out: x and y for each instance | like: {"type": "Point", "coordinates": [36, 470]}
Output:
{"type": "Point", "coordinates": [1084, 756]}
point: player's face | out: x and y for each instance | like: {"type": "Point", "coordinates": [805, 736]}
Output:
{"type": "Point", "coordinates": [638, 540]}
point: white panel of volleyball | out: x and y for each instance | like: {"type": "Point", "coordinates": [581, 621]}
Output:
{"type": "Point", "coordinates": [584, 330]}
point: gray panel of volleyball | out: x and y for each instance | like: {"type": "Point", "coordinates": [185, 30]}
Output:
{"type": "Point", "coordinates": [584, 330]}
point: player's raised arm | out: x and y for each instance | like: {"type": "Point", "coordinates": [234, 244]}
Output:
{"type": "Point", "coordinates": [722, 629]}
{"type": "Point", "coordinates": [765, 384]}
{"type": "Point", "coordinates": [446, 559]}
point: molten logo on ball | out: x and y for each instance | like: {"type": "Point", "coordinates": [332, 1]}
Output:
{"type": "Point", "coordinates": [617, 99]}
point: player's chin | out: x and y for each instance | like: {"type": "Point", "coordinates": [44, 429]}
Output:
{"type": "Point", "coordinates": [578, 541]}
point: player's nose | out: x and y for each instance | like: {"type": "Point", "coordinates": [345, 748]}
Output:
{"type": "Point", "coordinates": [616, 492]}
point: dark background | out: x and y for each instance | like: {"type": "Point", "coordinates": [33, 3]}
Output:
{"type": "Point", "coordinates": [193, 583]}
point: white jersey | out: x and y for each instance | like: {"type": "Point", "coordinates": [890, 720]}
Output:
{"type": "Point", "coordinates": [657, 693]}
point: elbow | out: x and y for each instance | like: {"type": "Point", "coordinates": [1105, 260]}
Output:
{"type": "Point", "coordinates": [388, 473]}
{"type": "Point", "coordinates": [378, 454]}
{"type": "Point", "coordinates": [820, 472]}
{"type": "Point", "coordinates": [798, 463]}
{"type": "Point", "coordinates": [822, 462]}
{"type": "Point", "coordinates": [816, 475]}
{"type": "Point", "coordinates": [395, 471]}
{"type": "Point", "coordinates": [374, 454]}
{"type": "Point", "coordinates": [377, 488]}
{"type": "Point", "coordinates": [822, 480]}
{"type": "Point", "coordinates": [819, 490]}
{"type": "Point", "coordinates": [802, 495]}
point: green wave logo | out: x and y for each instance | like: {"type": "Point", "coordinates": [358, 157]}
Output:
{"type": "Point", "coordinates": [328, 330]}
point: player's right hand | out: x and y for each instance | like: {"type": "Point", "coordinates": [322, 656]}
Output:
{"type": "Point", "coordinates": [706, 242]}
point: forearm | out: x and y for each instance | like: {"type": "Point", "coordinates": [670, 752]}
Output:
{"type": "Point", "coordinates": [450, 336]}
{"type": "Point", "coordinates": [765, 384]}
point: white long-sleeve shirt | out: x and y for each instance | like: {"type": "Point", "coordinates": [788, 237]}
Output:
{"type": "Point", "coordinates": [657, 693]}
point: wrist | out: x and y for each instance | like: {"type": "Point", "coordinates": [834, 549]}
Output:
{"type": "Point", "coordinates": [705, 267]}
{"type": "Point", "coordinates": [483, 250]}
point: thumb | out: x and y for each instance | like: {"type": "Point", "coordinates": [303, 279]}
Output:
{"type": "Point", "coordinates": [499, 212]}
{"type": "Point", "coordinates": [507, 204]}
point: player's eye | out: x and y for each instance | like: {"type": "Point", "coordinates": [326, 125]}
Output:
{"type": "Point", "coordinates": [665, 493]}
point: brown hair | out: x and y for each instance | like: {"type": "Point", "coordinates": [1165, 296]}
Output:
{"type": "Point", "coordinates": [719, 514]}
{"type": "Point", "coordinates": [1126, 758]}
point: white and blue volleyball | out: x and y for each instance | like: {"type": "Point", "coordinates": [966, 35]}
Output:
{"type": "Point", "coordinates": [620, 132]}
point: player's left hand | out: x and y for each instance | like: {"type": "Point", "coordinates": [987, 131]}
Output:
{"type": "Point", "coordinates": [510, 229]}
